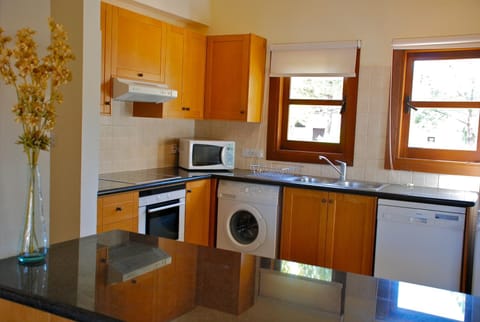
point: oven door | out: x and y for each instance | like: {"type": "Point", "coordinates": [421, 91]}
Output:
{"type": "Point", "coordinates": [165, 219]}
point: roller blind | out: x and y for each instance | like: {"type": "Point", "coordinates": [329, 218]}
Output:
{"type": "Point", "coordinates": [464, 41]}
{"type": "Point", "coordinates": [314, 59]}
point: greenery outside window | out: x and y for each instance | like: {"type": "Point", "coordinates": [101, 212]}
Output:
{"type": "Point", "coordinates": [435, 111]}
{"type": "Point", "coordinates": [312, 115]}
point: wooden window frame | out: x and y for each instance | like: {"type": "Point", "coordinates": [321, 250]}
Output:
{"type": "Point", "coordinates": [397, 154]}
{"type": "Point", "coordinates": [280, 149]}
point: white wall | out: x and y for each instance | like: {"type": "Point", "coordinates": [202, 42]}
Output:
{"type": "Point", "coordinates": [13, 167]}
{"type": "Point", "coordinates": [79, 134]}
{"type": "Point", "coordinates": [375, 23]}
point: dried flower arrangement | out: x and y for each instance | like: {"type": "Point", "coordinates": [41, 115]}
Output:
{"type": "Point", "coordinates": [37, 83]}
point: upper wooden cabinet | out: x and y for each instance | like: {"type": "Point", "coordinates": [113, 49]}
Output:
{"type": "Point", "coordinates": [235, 77]}
{"type": "Point", "coordinates": [138, 46]}
{"type": "Point", "coordinates": [185, 72]}
{"type": "Point", "coordinates": [106, 80]}
{"type": "Point", "coordinates": [328, 229]}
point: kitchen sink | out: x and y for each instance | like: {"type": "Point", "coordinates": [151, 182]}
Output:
{"type": "Point", "coordinates": [361, 185]}
{"type": "Point", "coordinates": [331, 182]}
{"type": "Point", "coordinates": [307, 179]}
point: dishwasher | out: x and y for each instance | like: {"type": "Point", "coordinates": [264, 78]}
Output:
{"type": "Point", "coordinates": [419, 243]}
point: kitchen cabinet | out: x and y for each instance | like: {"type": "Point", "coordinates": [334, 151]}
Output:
{"type": "Point", "coordinates": [15, 312]}
{"type": "Point", "coordinates": [106, 80]}
{"type": "Point", "coordinates": [235, 77]}
{"type": "Point", "coordinates": [198, 212]}
{"type": "Point", "coordinates": [184, 72]}
{"type": "Point", "coordinates": [329, 229]}
{"type": "Point", "coordinates": [118, 211]}
{"type": "Point", "coordinates": [138, 46]}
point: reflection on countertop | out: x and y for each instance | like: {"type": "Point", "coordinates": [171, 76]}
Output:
{"type": "Point", "coordinates": [207, 284]}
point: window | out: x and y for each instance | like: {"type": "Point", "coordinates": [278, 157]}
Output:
{"type": "Point", "coordinates": [312, 115]}
{"type": "Point", "coordinates": [435, 111]}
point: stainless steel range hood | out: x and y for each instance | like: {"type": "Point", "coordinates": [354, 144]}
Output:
{"type": "Point", "coordinates": [140, 91]}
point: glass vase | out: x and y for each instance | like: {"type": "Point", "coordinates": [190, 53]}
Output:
{"type": "Point", "coordinates": [33, 244]}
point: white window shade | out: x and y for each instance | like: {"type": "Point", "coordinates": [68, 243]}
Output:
{"type": "Point", "coordinates": [465, 41]}
{"type": "Point", "coordinates": [314, 59]}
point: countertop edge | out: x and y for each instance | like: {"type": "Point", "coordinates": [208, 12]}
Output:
{"type": "Point", "coordinates": [67, 311]}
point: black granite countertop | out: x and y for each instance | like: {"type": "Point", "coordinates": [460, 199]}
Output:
{"type": "Point", "coordinates": [143, 179]}
{"type": "Point", "coordinates": [207, 284]}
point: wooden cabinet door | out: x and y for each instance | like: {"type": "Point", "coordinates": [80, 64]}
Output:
{"type": "Point", "coordinates": [197, 212]}
{"type": "Point", "coordinates": [138, 45]}
{"type": "Point", "coordinates": [118, 211]}
{"type": "Point", "coordinates": [185, 72]}
{"type": "Point", "coordinates": [174, 69]}
{"type": "Point", "coordinates": [194, 58]}
{"type": "Point", "coordinates": [304, 224]}
{"type": "Point", "coordinates": [106, 83]}
{"type": "Point", "coordinates": [351, 232]}
{"type": "Point", "coordinates": [235, 77]}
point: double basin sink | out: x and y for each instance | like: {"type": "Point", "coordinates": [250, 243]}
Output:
{"type": "Point", "coordinates": [331, 182]}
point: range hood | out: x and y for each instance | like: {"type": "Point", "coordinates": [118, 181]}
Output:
{"type": "Point", "coordinates": [139, 91]}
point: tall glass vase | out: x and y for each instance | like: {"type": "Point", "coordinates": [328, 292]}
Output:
{"type": "Point", "coordinates": [33, 245]}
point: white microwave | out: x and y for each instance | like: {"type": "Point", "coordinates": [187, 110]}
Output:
{"type": "Point", "coordinates": [206, 154]}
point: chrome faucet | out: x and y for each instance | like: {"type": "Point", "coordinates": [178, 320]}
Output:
{"type": "Point", "coordinates": [342, 171]}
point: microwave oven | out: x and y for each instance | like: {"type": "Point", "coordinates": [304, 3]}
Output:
{"type": "Point", "coordinates": [206, 154]}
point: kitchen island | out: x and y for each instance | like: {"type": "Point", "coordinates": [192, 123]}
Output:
{"type": "Point", "coordinates": [82, 280]}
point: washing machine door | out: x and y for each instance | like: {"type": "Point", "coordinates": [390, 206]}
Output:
{"type": "Point", "coordinates": [246, 228]}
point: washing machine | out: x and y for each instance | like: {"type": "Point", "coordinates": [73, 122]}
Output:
{"type": "Point", "coordinates": [248, 217]}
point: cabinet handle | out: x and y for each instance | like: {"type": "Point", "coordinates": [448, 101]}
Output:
{"type": "Point", "coordinates": [189, 191]}
{"type": "Point", "coordinates": [107, 103]}
{"type": "Point", "coordinates": [242, 112]}
{"type": "Point", "coordinates": [134, 281]}
{"type": "Point", "coordinates": [118, 209]}
{"type": "Point", "coordinates": [185, 108]}
{"type": "Point", "coordinates": [324, 200]}
{"type": "Point", "coordinates": [140, 74]}
{"type": "Point", "coordinates": [330, 201]}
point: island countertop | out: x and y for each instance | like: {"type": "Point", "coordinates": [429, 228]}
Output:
{"type": "Point", "coordinates": [207, 284]}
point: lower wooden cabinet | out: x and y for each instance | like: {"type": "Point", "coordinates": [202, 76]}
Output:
{"type": "Point", "coordinates": [335, 230]}
{"type": "Point", "coordinates": [15, 312]}
{"type": "Point", "coordinates": [199, 213]}
{"type": "Point", "coordinates": [118, 211]}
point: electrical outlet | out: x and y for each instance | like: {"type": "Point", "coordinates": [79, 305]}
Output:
{"type": "Point", "coordinates": [173, 148]}
{"type": "Point", "coordinates": [252, 153]}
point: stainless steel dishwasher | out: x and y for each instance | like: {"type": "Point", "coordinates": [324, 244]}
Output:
{"type": "Point", "coordinates": [419, 243]}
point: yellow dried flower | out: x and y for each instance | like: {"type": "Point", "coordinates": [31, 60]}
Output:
{"type": "Point", "coordinates": [31, 76]}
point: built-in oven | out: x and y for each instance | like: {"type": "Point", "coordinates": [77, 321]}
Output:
{"type": "Point", "coordinates": [162, 212]}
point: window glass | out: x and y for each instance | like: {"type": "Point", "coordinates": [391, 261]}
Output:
{"type": "Point", "coordinates": [446, 80]}
{"type": "Point", "coordinates": [450, 129]}
{"type": "Point", "coordinates": [325, 88]}
{"type": "Point", "coordinates": [312, 115]}
{"type": "Point", "coordinates": [314, 123]}
{"type": "Point", "coordinates": [435, 103]}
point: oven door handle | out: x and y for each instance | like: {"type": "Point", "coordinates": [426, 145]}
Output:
{"type": "Point", "coordinates": [165, 207]}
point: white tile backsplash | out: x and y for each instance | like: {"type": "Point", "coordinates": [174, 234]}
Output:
{"type": "Point", "coordinates": [134, 143]}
